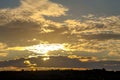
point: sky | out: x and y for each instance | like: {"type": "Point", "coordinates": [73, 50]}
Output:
{"type": "Point", "coordinates": [83, 30]}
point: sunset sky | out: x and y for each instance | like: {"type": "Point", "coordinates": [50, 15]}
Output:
{"type": "Point", "coordinates": [82, 30]}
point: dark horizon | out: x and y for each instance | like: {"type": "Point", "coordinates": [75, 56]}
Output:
{"type": "Point", "coordinates": [96, 74]}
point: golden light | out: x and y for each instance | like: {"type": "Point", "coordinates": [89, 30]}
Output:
{"type": "Point", "coordinates": [28, 63]}
{"type": "Point", "coordinates": [45, 48]}
{"type": "Point", "coordinates": [16, 48]}
{"type": "Point", "coordinates": [45, 58]}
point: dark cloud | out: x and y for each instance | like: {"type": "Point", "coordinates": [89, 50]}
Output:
{"type": "Point", "coordinates": [18, 32]}
{"type": "Point", "coordinates": [62, 62]}
{"type": "Point", "coordinates": [101, 36]}
{"type": "Point", "coordinates": [13, 55]}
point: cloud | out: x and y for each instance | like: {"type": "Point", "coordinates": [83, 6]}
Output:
{"type": "Point", "coordinates": [101, 36]}
{"type": "Point", "coordinates": [95, 34]}
{"type": "Point", "coordinates": [43, 7]}
{"type": "Point", "coordinates": [10, 68]}
{"type": "Point", "coordinates": [95, 25]}
{"type": "Point", "coordinates": [32, 10]}
{"type": "Point", "coordinates": [3, 54]}
{"type": "Point", "coordinates": [2, 46]}
{"type": "Point", "coordinates": [82, 58]}
{"type": "Point", "coordinates": [28, 21]}
{"type": "Point", "coordinates": [14, 54]}
{"type": "Point", "coordinates": [28, 63]}
{"type": "Point", "coordinates": [60, 62]}
{"type": "Point", "coordinates": [16, 48]}
{"type": "Point", "coordinates": [22, 33]}
{"type": "Point", "coordinates": [114, 53]}
{"type": "Point", "coordinates": [27, 25]}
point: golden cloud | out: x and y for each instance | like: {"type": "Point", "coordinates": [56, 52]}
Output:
{"type": "Point", "coordinates": [114, 53]}
{"type": "Point", "coordinates": [28, 63]}
{"type": "Point", "coordinates": [32, 10]}
{"type": "Point", "coordinates": [2, 46]}
{"type": "Point", "coordinates": [83, 59]}
{"type": "Point", "coordinates": [16, 48]}
{"type": "Point", "coordinates": [3, 54]}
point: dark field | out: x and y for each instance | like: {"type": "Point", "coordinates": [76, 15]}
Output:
{"type": "Point", "coordinates": [60, 75]}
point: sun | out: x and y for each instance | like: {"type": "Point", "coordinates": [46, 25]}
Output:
{"type": "Point", "coordinates": [45, 48]}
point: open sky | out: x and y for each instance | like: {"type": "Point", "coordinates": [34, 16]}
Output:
{"type": "Point", "coordinates": [85, 30]}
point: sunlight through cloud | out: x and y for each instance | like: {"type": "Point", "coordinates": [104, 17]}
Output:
{"type": "Point", "coordinates": [45, 48]}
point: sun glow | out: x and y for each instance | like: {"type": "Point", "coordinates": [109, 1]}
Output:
{"type": "Point", "coordinates": [45, 48]}
{"type": "Point", "coordinates": [46, 58]}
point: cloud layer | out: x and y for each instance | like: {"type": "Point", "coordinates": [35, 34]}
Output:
{"type": "Point", "coordinates": [27, 25]}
